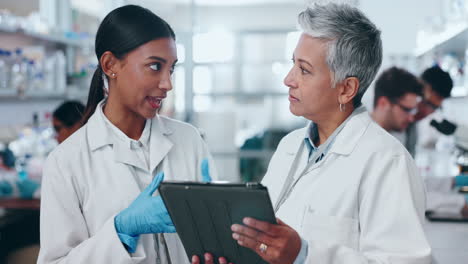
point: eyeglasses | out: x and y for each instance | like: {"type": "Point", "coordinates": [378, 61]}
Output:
{"type": "Point", "coordinates": [431, 105]}
{"type": "Point", "coordinates": [411, 111]}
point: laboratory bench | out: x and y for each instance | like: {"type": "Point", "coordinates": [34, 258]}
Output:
{"type": "Point", "coordinates": [449, 241]}
{"type": "Point", "coordinates": [18, 203]}
{"type": "Point", "coordinates": [19, 225]}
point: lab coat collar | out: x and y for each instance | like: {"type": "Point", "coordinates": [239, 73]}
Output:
{"type": "Point", "coordinates": [345, 141]}
{"type": "Point", "coordinates": [98, 135]}
{"type": "Point", "coordinates": [159, 144]}
{"type": "Point", "coordinates": [296, 141]}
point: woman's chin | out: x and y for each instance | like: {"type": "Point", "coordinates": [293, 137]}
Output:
{"type": "Point", "coordinates": [149, 114]}
{"type": "Point", "coordinates": [294, 110]}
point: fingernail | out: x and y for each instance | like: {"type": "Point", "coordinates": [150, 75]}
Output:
{"type": "Point", "coordinates": [194, 258]}
{"type": "Point", "coordinates": [235, 236]}
{"type": "Point", "coordinates": [234, 228]}
{"type": "Point", "coordinates": [246, 220]}
{"type": "Point", "coordinates": [207, 257]}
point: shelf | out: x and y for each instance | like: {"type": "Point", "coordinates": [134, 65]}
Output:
{"type": "Point", "coordinates": [452, 40]}
{"type": "Point", "coordinates": [44, 94]}
{"type": "Point", "coordinates": [7, 93]}
{"type": "Point", "coordinates": [60, 40]}
{"type": "Point", "coordinates": [12, 95]}
{"type": "Point", "coordinates": [29, 99]}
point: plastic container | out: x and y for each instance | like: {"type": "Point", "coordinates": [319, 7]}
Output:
{"type": "Point", "coordinates": [61, 71]}
{"type": "Point", "coordinates": [3, 71]}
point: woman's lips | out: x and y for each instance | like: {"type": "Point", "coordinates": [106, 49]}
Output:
{"type": "Point", "coordinates": [293, 99]}
{"type": "Point", "coordinates": [154, 101]}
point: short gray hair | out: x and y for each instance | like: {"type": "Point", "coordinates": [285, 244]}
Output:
{"type": "Point", "coordinates": [354, 44]}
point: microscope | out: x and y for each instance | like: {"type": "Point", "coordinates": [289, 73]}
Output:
{"type": "Point", "coordinates": [460, 134]}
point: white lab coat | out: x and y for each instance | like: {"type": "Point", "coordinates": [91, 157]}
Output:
{"type": "Point", "coordinates": [363, 203]}
{"type": "Point", "coordinates": [87, 182]}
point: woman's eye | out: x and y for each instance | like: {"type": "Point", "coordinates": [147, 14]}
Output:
{"type": "Point", "coordinates": [155, 66]}
{"type": "Point", "coordinates": [304, 71]}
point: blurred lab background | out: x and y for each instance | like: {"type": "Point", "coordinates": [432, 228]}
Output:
{"type": "Point", "coordinates": [233, 56]}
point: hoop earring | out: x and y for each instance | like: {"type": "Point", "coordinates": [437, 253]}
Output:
{"type": "Point", "coordinates": [342, 107]}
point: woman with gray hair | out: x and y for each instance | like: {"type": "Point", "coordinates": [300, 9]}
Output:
{"type": "Point", "coordinates": [345, 190]}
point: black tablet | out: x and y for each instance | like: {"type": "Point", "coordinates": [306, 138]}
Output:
{"type": "Point", "coordinates": [446, 217]}
{"type": "Point", "coordinates": [204, 212]}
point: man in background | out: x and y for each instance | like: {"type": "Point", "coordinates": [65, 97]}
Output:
{"type": "Point", "coordinates": [437, 87]}
{"type": "Point", "coordinates": [397, 100]}
{"type": "Point", "coordinates": [396, 96]}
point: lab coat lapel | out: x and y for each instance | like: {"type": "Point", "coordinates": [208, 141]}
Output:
{"type": "Point", "coordinates": [98, 135]}
{"type": "Point", "coordinates": [96, 130]}
{"type": "Point", "coordinates": [347, 139]}
{"type": "Point", "coordinates": [292, 149]}
{"type": "Point", "coordinates": [123, 154]}
{"type": "Point", "coordinates": [160, 145]}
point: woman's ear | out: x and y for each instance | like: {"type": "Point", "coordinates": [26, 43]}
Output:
{"type": "Point", "coordinates": [348, 90]}
{"type": "Point", "coordinates": [109, 64]}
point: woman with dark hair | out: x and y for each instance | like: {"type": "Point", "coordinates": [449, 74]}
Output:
{"type": "Point", "coordinates": [97, 194]}
{"type": "Point", "coordinates": [66, 119]}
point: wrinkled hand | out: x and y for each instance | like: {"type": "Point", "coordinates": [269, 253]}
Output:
{"type": "Point", "coordinates": [464, 210]}
{"type": "Point", "coordinates": [445, 127]}
{"type": "Point", "coordinates": [5, 189]}
{"type": "Point", "coordinates": [146, 215]}
{"type": "Point", "coordinates": [205, 171]}
{"type": "Point", "coordinates": [283, 243]}
{"type": "Point", "coordinates": [209, 259]}
{"type": "Point", "coordinates": [27, 188]}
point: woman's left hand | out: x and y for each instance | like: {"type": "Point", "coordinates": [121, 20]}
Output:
{"type": "Point", "coordinates": [275, 243]}
{"type": "Point", "coordinates": [208, 259]}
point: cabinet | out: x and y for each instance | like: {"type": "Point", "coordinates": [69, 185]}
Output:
{"type": "Point", "coordinates": [46, 70]}
{"type": "Point", "coordinates": [448, 48]}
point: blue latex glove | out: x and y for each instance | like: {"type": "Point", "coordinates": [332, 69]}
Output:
{"type": "Point", "coordinates": [461, 180]}
{"type": "Point", "coordinates": [5, 189]}
{"type": "Point", "coordinates": [145, 215]}
{"type": "Point", "coordinates": [27, 188]}
{"type": "Point", "coordinates": [205, 171]}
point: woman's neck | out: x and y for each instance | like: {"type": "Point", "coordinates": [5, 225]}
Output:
{"type": "Point", "coordinates": [328, 125]}
{"type": "Point", "coordinates": [128, 122]}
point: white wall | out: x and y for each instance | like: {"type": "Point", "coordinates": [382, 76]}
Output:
{"type": "Point", "coordinates": [279, 16]}
{"type": "Point", "coordinates": [399, 21]}
{"type": "Point", "coordinates": [20, 8]}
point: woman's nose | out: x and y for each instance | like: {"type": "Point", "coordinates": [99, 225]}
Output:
{"type": "Point", "coordinates": [166, 84]}
{"type": "Point", "coordinates": [289, 79]}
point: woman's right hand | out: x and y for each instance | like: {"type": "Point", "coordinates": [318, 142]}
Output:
{"type": "Point", "coordinates": [145, 215]}
{"type": "Point", "coordinates": [209, 259]}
